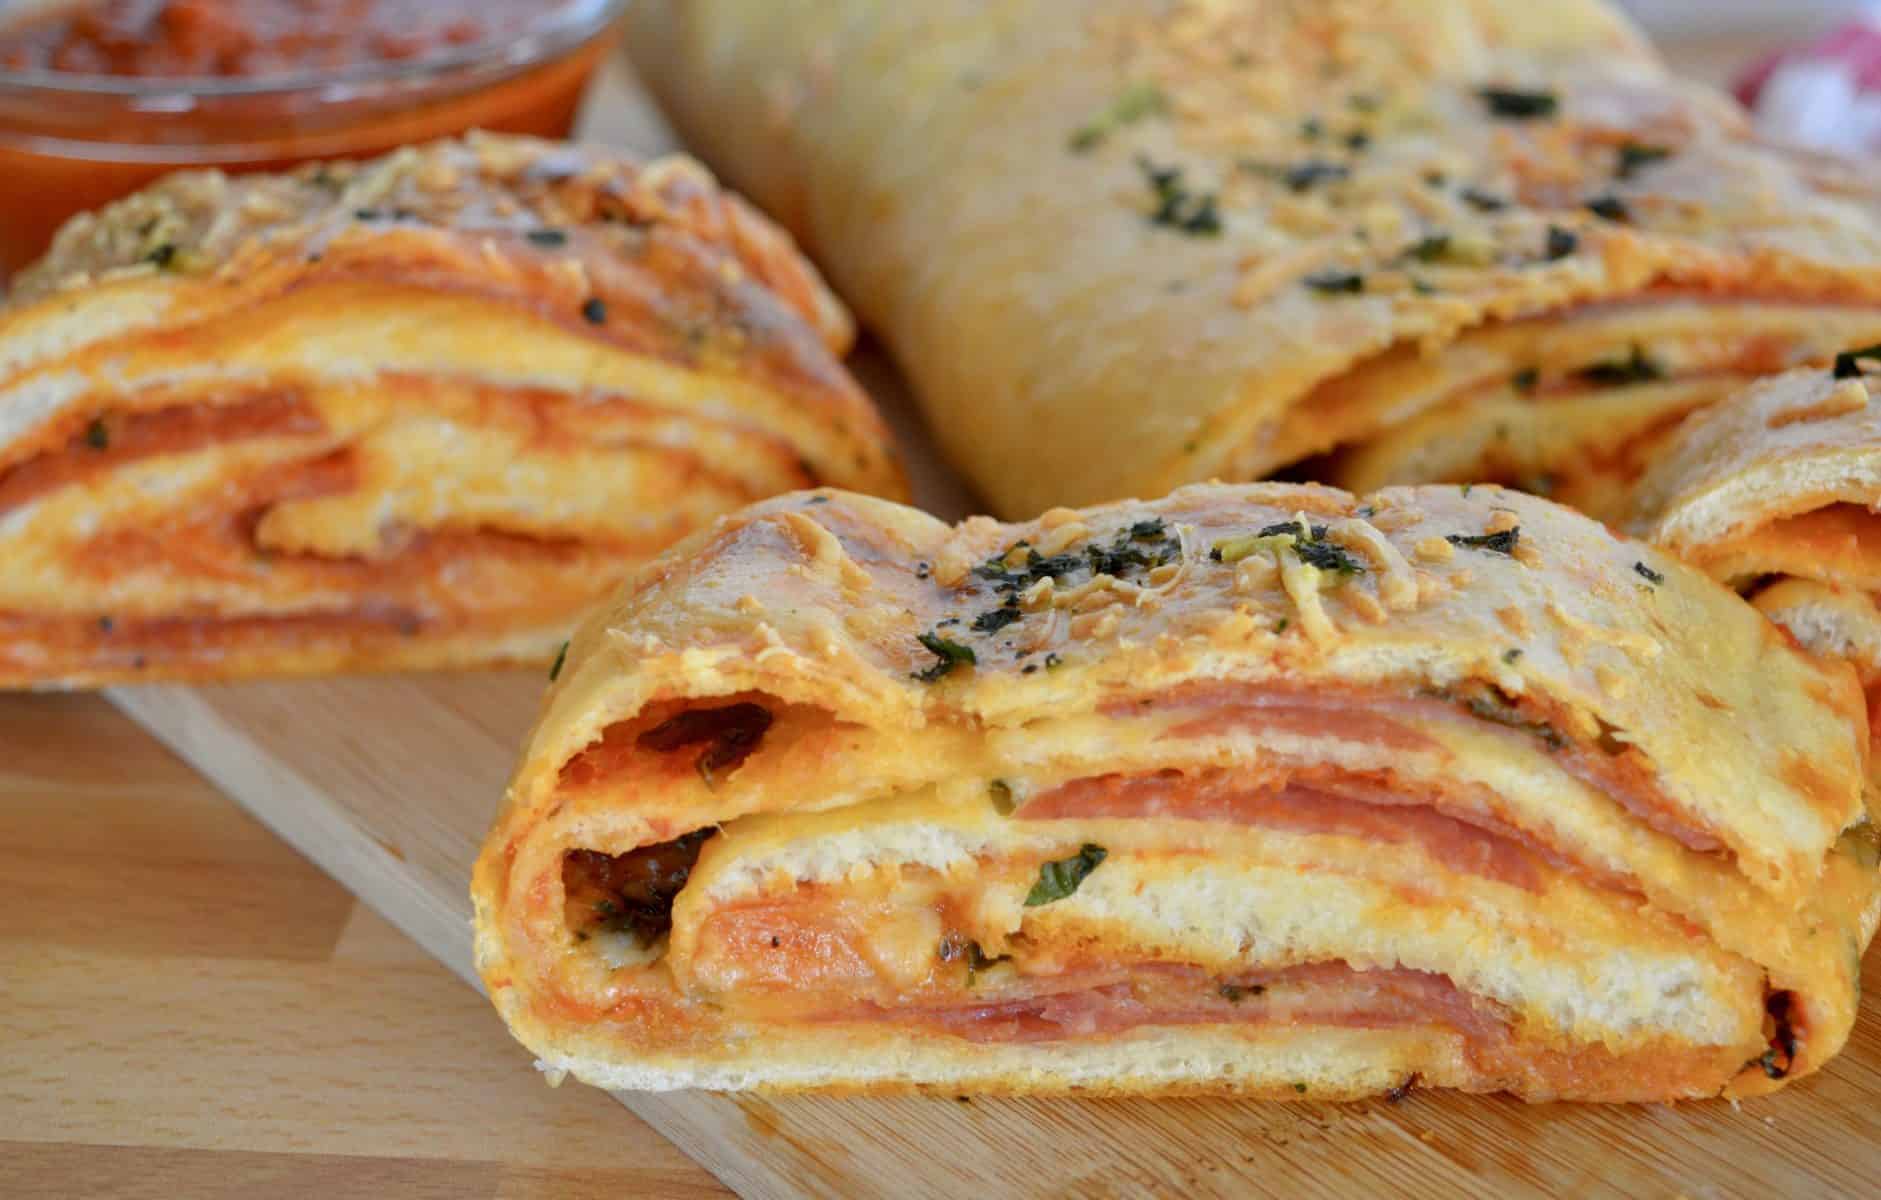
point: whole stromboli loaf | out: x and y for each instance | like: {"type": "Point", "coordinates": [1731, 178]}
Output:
{"type": "Point", "coordinates": [1120, 245]}
{"type": "Point", "coordinates": [1263, 789]}
{"type": "Point", "coordinates": [414, 412]}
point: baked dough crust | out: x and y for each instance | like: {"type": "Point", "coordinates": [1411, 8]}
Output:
{"type": "Point", "coordinates": [1441, 784]}
{"type": "Point", "coordinates": [1777, 492]}
{"type": "Point", "coordinates": [1119, 245]}
{"type": "Point", "coordinates": [416, 412]}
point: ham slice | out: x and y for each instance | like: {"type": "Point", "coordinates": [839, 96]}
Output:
{"type": "Point", "coordinates": [1394, 721]}
{"type": "Point", "coordinates": [1329, 993]}
{"type": "Point", "coordinates": [1467, 842]}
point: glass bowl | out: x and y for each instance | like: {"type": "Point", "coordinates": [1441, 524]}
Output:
{"type": "Point", "coordinates": [71, 142]}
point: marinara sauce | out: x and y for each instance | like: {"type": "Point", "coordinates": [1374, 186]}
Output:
{"type": "Point", "coordinates": [355, 78]}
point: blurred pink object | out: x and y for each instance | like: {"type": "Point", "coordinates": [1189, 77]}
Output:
{"type": "Point", "coordinates": [1826, 94]}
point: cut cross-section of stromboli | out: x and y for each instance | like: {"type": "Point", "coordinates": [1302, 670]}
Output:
{"type": "Point", "coordinates": [1253, 789]}
{"type": "Point", "coordinates": [414, 412]}
{"type": "Point", "coordinates": [1777, 493]}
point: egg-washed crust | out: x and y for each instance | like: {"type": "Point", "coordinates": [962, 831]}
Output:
{"type": "Point", "coordinates": [412, 412]}
{"type": "Point", "coordinates": [1780, 480]}
{"type": "Point", "coordinates": [1120, 245]}
{"type": "Point", "coordinates": [1775, 492]}
{"type": "Point", "coordinates": [1670, 793]}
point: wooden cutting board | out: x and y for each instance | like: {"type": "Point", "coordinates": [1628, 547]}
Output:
{"type": "Point", "coordinates": [388, 784]}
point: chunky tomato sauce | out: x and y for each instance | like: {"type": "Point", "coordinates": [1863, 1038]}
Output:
{"type": "Point", "coordinates": [63, 151]}
{"type": "Point", "coordinates": [246, 38]}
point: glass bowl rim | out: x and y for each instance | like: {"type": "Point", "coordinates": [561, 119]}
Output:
{"type": "Point", "coordinates": [564, 27]}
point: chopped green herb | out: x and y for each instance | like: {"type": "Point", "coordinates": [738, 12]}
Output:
{"type": "Point", "coordinates": [1648, 574]}
{"type": "Point", "coordinates": [97, 436]}
{"type": "Point", "coordinates": [1511, 655]}
{"type": "Point", "coordinates": [1328, 556]}
{"type": "Point", "coordinates": [1138, 101]}
{"type": "Point", "coordinates": [1435, 179]}
{"type": "Point", "coordinates": [1311, 129]}
{"type": "Point", "coordinates": [547, 237]}
{"type": "Point", "coordinates": [1308, 543]}
{"type": "Point", "coordinates": [1053, 662]}
{"type": "Point", "coordinates": [555, 668]}
{"type": "Point", "coordinates": [994, 620]}
{"type": "Point", "coordinates": [1309, 175]}
{"type": "Point", "coordinates": [594, 311]}
{"type": "Point", "coordinates": [1526, 379]}
{"type": "Point", "coordinates": [1609, 207]}
{"type": "Point", "coordinates": [1515, 104]}
{"type": "Point", "coordinates": [949, 654]}
{"type": "Point", "coordinates": [1634, 368]}
{"type": "Point", "coordinates": [1467, 488]}
{"type": "Point", "coordinates": [1493, 543]}
{"type": "Point", "coordinates": [1150, 530]}
{"type": "Point", "coordinates": [1430, 248]}
{"type": "Point", "coordinates": [1635, 156]}
{"type": "Point", "coordinates": [1234, 993]}
{"type": "Point", "coordinates": [1300, 1088]}
{"type": "Point", "coordinates": [1358, 141]}
{"type": "Point", "coordinates": [1848, 364]}
{"type": "Point", "coordinates": [1129, 551]}
{"type": "Point", "coordinates": [1061, 877]}
{"type": "Point", "coordinates": [1293, 529]}
{"type": "Point", "coordinates": [1483, 201]}
{"type": "Point", "coordinates": [163, 256]}
{"type": "Point", "coordinates": [1335, 283]}
{"type": "Point", "coordinates": [1177, 208]}
{"type": "Point", "coordinates": [1561, 243]}
{"type": "Point", "coordinates": [1493, 706]}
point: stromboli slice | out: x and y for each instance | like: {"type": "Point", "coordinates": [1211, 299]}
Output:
{"type": "Point", "coordinates": [1119, 245]}
{"type": "Point", "coordinates": [1250, 789]}
{"type": "Point", "coordinates": [408, 413]}
{"type": "Point", "coordinates": [1776, 492]}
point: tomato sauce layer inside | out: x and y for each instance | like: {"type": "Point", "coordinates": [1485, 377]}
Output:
{"type": "Point", "coordinates": [234, 39]}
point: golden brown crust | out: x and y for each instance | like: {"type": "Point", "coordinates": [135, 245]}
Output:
{"type": "Point", "coordinates": [1523, 670]}
{"type": "Point", "coordinates": [409, 413]}
{"type": "Point", "coordinates": [1776, 491]}
{"type": "Point", "coordinates": [1076, 209]}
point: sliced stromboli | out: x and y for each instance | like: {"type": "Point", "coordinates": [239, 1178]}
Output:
{"type": "Point", "coordinates": [406, 413]}
{"type": "Point", "coordinates": [1253, 789]}
{"type": "Point", "coordinates": [1120, 245]}
{"type": "Point", "coordinates": [1777, 492]}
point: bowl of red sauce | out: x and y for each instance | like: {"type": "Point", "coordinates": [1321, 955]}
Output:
{"type": "Point", "coordinates": [98, 97]}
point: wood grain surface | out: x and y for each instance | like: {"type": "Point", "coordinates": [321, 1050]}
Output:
{"type": "Point", "coordinates": [189, 1008]}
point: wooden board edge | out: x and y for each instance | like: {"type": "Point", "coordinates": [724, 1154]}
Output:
{"type": "Point", "coordinates": [708, 1129]}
